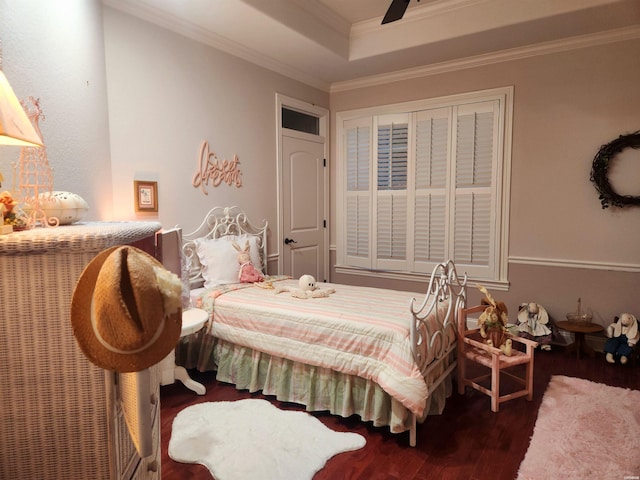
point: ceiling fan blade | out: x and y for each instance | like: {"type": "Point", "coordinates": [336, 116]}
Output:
{"type": "Point", "coordinates": [396, 11]}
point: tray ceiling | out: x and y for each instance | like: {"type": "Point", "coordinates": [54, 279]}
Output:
{"type": "Point", "coordinates": [328, 43]}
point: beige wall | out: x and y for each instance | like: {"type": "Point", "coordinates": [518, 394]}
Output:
{"type": "Point", "coordinates": [126, 100]}
{"type": "Point", "coordinates": [562, 244]}
{"type": "Point", "coordinates": [167, 94]}
{"type": "Point", "coordinates": [54, 51]}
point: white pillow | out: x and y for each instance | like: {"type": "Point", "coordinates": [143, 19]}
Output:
{"type": "Point", "coordinates": [219, 258]}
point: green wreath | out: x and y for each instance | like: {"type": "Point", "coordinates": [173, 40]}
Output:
{"type": "Point", "coordinates": [600, 170]}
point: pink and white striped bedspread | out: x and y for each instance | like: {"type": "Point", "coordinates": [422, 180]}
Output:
{"type": "Point", "coordinates": [356, 330]}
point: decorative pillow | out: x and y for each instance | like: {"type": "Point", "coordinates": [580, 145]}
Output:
{"type": "Point", "coordinates": [220, 260]}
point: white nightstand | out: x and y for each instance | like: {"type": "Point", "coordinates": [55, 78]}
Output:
{"type": "Point", "coordinates": [193, 320]}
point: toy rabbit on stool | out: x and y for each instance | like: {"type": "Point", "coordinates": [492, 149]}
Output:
{"type": "Point", "coordinates": [532, 324]}
{"type": "Point", "coordinates": [623, 336]}
{"type": "Point", "coordinates": [492, 322]}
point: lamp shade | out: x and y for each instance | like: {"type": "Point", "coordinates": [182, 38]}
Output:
{"type": "Point", "coordinates": [15, 126]}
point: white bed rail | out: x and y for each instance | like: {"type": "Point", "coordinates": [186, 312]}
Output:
{"type": "Point", "coordinates": [448, 289]}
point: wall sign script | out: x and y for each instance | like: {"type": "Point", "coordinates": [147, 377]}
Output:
{"type": "Point", "coordinates": [214, 170]}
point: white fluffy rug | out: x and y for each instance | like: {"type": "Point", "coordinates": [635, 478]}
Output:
{"type": "Point", "coordinates": [254, 439]}
{"type": "Point", "coordinates": [584, 430]}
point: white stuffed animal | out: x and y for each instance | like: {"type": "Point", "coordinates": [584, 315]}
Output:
{"type": "Point", "coordinates": [533, 322]}
{"type": "Point", "coordinates": [307, 283]}
{"type": "Point", "coordinates": [307, 288]}
{"type": "Point", "coordinates": [623, 336]}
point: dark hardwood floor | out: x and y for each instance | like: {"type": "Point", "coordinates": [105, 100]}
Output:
{"type": "Point", "coordinates": [467, 441]}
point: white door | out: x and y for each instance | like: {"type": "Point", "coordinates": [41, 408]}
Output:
{"type": "Point", "coordinates": [303, 190]}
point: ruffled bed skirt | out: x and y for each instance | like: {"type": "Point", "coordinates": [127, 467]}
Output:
{"type": "Point", "coordinates": [317, 388]}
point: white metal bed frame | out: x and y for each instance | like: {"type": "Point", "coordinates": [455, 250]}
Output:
{"type": "Point", "coordinates": [444, 284]}
{"type": "Point", "coordinates": [219, 222]}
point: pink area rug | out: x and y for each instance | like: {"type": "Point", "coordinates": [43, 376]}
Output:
{"type": "Point", "coordinates": [584, 430]}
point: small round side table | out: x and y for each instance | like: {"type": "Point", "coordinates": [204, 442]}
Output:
{"type": "Point", "coordinates": [579, 330]}
{"type": "Point", "coordinates": [193, 319]}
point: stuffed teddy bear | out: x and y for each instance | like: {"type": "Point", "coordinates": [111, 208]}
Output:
{"type": "Point", "coordinates": [248, 273]}
{"type": "Point", "coordinates": [493, 321]}
{"type": "Point", "coordinates": [532, 324]}
{"type": "Point", "coordinates": [623, 336]}
{"type": "Point", "coordinates": [307, 288]}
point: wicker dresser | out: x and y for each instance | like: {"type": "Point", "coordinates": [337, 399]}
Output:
{"type": "Point", "coordinates": [59, 414]}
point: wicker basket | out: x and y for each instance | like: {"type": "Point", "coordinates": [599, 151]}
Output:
{"type": "Point", "coordinates": [579, 317]}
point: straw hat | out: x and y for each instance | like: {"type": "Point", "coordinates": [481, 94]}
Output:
{"type": "Point", "coordinates": [126, 310]}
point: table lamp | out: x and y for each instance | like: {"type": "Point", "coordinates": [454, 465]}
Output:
{"type": "Point", "coordinates": [15, 126]}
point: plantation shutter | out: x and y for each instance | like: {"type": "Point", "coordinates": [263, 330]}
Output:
{"type": "Point", "coordinates": [424, 182]}
{"type": "Point", "coordinates": [431, 161]}
{"type": "Point", "coordinates": [392, 148]}
{"type": "Point", "coordinates": [475, 153]}
{"type": "Point", "coordinates": [358, 192]}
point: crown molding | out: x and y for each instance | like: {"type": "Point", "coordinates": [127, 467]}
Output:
{"type": "Point", "coordinates": [207, 37]}
{"type": "Point", "coordinates": [545, 48]}
{"type": "Point", "coordinates": [189, 30]}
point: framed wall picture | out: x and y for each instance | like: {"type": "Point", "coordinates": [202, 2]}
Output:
{"type": "Point", "coordinates": [146, 196]}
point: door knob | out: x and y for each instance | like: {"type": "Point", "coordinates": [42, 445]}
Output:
{"type": "Point", "coordinates": [288, 241]}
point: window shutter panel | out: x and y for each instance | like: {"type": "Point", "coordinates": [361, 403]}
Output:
{"type": "Point", "coordinates": [392, 156]}
{"type": "Point", "coordinates": [432, 146]}
{"type": "Point", "coordinates": [391, 239]}
{"type": "Point", "coordinates": [472, 236]}
{"type": "Point", "coordinates": [391, 195]}
{"type": "Point", "coordinates": [429, 230]}
{"type": "Point", "coordinates": [474, 159]}
{"type": "Point", "coordinates": [357, 208]}
{"type": "Point", "coordinates": [358, 159]}
{"type": "Point", "coordinates": [431, 160]}
{"type": "Point", "coordinates": [358, 231]}
{"type": "Point", "coordinates": [475, 162]}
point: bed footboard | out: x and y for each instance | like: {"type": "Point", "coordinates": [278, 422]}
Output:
{"type": "Point", "coordinates": [434, 327]}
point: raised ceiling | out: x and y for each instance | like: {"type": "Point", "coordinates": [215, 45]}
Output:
{"type": "Point", "coordinates": [331, 44]}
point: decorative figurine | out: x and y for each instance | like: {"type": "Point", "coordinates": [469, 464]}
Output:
{"type": "Point", "coordinates": [248, 273]}
{"type": "Point", "coordinates": [623, 336]}
{"type": "Point", "coordinates": [532, 324]}
{"type": "Point", "coordinates": [493, 323]}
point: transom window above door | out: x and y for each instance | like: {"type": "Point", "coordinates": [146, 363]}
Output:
{"type": "Point", "coordinates": [424, 182]}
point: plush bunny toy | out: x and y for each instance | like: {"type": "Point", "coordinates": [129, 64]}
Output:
{"type": "Point", "coordinates": [533, 322]}
{"type": "Point", "coordinates": [623, 335]}
{"type": "Point", "coordinates": [493, 321]}
{"type": "Point", "coordinates": [248, 273]}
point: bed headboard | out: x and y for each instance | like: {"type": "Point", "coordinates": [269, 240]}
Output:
{"type": "Point", "coordinates": [218, 222]}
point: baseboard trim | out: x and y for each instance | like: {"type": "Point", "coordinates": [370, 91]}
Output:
{"type": "Point", "coordinates": [594, 341]}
